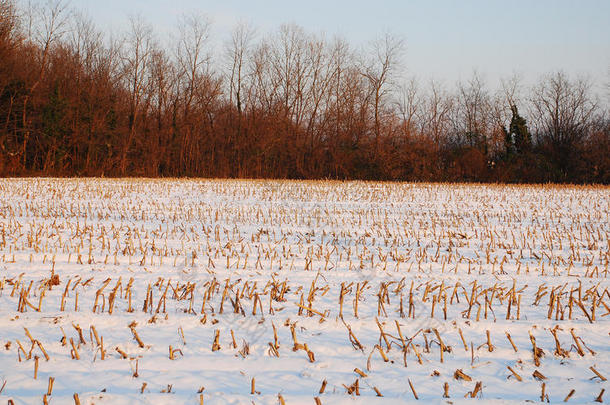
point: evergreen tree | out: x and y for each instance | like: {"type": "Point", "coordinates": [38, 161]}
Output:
{"type": "Point", "coordinates": [519, 133]}
{"type": "Point", "coordinates": [509, 147]}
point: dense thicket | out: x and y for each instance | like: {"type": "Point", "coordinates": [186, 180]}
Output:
{"type": "Point", "coordinates": [286, 105]}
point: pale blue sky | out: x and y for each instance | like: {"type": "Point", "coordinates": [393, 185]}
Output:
{"type": "Point", "coordinates": [445, 40]}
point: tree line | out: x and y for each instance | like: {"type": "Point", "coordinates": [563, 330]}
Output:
{"type": "Point", "coordinates": [290, 104]}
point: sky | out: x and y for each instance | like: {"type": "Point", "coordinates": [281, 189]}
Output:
{"type": "Point", "coordinates": [445, 40]}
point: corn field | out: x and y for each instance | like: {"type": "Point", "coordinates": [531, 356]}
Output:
{"type": "Point", "coordinates": [285, 292]}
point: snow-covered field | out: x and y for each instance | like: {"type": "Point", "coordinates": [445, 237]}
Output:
{"type": "Point", "coordinates": [267, 292]}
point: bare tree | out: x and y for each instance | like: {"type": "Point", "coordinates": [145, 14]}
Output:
{"type": "Point", "coordinates": [191, 53]}
{"type": "Point", "coordinates": [238, 50]}
{"type": "Point", "coordinates": [8, 27]}
{"type": "Point", "coordinates": [562, 110]}
{"type": "Point", "coordinates": [321, 77]}
{"type": "Point", "coordinates": [47, 23]}
{"type": "Point", "coordinates": [607, 87]}
{"type": "Point", "coordinates": [379, 71]}
{"type": "Point", "coordinates": [511, 89]}
{"type": "Point", "coordinates": [86, 44]}
{"type": "Point", "coordinates": [138, 48]}
{"type": "Point", "coordinates": [435, 117]}
{"type": "Point", "coordinates": [9, 39]}
{"type": "Point", "coordinates": [265, 85]}
{"type": "Point", "coordinates": [473, 104]}
{"type": "Point", "coordinates": [289, 68]}
{"type": "Point", "coordinates": [164, 94]}
{"type": "Point", "coordinates": [408, 105]}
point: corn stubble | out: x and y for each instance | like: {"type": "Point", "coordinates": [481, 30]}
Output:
{"type": "Point", "coordinates": [403, 280]}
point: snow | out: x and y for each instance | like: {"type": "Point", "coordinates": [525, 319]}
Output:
{"type": "Point", "coordinates": [285, 236]}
